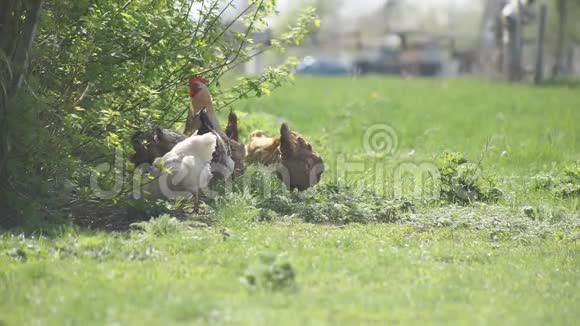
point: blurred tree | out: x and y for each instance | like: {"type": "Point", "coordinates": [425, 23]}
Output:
{"type": "Point", "coordinates": [327, 8]}
{"type": "Point", "coordinates": [562, 7]}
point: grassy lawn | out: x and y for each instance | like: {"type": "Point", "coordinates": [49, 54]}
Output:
{"type": "Point", "coordinates": [483, 263]}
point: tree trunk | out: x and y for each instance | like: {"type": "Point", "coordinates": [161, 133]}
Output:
{"type": "Point", "coordinates": [3, 13]}
{"type": "Point", "coordinates": [539, 75]}
{"type": "Point", "coordinates": [514, 60]}
{"type": "Point", "coordinates": [8, 24]}
{"type": "Point", "coordinates": [24, 45]}
{"type": "Point", "coordinates": [15, 43]}
{"type": "Point", "coordinates": [561, 40]}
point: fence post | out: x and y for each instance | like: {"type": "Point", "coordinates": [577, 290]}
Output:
{"type": "Point", "coordinates": [561, 40]}
{"type": "Point", "coordinates": [513, 45]}
{"type": "Point", "coordinates": [570, 60]}
{"type": "Point", "coordinates": [499, 45]}
{"type": "Point", "coordinates": [539, 75]}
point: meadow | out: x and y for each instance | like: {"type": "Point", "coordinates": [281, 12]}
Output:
{"type": "Point", "coordinates": [511, 260]}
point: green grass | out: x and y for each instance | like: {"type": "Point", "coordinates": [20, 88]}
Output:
{"type": "Point", "coordinates": [536, 127]}
{"type": "Point", "coordinates": [529, 130]}
{"type": "Point", "coordinates": [480, 264]}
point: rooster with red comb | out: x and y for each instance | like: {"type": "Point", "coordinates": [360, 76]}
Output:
{"type": "Point", "coordinates": [200, 99]}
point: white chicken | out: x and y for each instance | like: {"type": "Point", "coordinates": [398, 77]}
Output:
{"type": "Point", "coordinates": [185, 169]}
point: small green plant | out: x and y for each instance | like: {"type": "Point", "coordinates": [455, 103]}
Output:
{"type": "Point", "coordinates": [266, 215]}
{"type": "Point", "coordinates": [260, 182]}
{"type": "Point", "coordinates": [542, 181]}
{"type": "Point", "coordinates": [270, 272]}
{"type": "Point", "coordinates": [160, 226]}
{"type": "Point", "coordinates": [463, 182]}
{"type": "Point", "coordinates": [564, 185]}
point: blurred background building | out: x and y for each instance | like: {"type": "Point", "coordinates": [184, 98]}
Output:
{"type": "Point", "coordinates": [430, 38]}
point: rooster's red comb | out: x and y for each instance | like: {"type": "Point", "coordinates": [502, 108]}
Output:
{"type": "Point", "coordinates": [198, 79]}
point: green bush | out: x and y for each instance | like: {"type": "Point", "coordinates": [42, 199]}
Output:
{"type": "Point", "coordinates": [270, 272]}
{"type": "Point", "coordinates": [101, 70]}
{"type": "Point", "coordinates": [464, 182]}
{"type": "Point", "coordinates": [566, 184]}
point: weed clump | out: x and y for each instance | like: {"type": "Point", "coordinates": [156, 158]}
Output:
{"type": "Point", "coordinates": [565, 185]}
{"type": "Point", "coordinates": [463, 182]}
{"type": "Point", "coordinates": [160, 226]}
{"type": "Point", "coordinates": [333, 204]}
{"type": "Point", "coordinates": [270, 272]}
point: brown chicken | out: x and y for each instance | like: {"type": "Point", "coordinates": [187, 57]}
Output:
{"type": "Point", "coordinates": [200, 99]}
{"type": "Point", "coordinates": [296, 163]}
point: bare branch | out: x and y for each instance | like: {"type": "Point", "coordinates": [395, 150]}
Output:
{"type": "Point", "coordinates": [230, 24]}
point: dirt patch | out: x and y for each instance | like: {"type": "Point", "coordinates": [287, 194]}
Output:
{"type": "Point", "coordinates": [95, 215]}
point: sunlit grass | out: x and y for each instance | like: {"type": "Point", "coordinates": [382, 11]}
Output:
{"type": "Point", "coordinates": [482, 264]}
